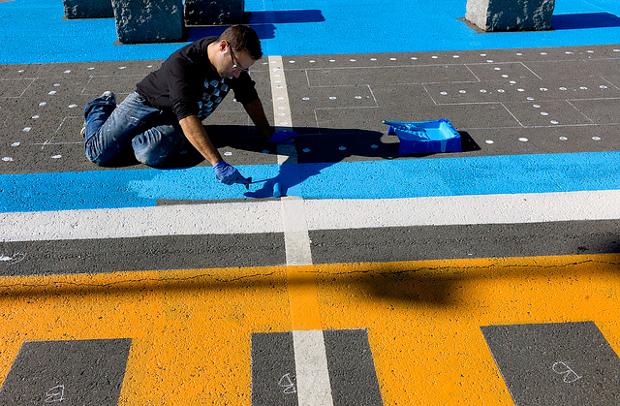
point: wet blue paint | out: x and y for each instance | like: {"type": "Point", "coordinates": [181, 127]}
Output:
{"type": "Point", "coordinates": [405, 178]}
{"type": "Point", "coordinates": [35, 31]}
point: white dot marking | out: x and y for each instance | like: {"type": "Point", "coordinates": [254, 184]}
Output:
{"type": "Point", "coordinates": [523, 139]}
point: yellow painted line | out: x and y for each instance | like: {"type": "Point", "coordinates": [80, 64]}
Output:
{"type": "Point", "coordinates": [303, 298]}
{"type": "Point", "coordinates": [191, 329]}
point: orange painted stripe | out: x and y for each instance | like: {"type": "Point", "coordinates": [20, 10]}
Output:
{"type": "Point", "coordinates": [191, 329]}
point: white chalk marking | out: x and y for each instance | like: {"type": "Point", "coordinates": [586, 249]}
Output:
{"type": "Point", "coordinates": [313, 386]}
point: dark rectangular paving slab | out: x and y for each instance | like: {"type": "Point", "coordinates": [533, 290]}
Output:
{"type": "Point", "coordinates": [575, 69]}
{"type": "Point", "coordinates": [600, 111]}
{"type": "Point", "coordinates": [144, 253]}
{"type": "Point", "coordinates": [273, 370]}
{"type": "Point", "coordinates": [553, 364]}
{"type": "Point", "coordinates": [351, 368]}
{"type": "Point", "coordinates": [85, 372]}
{"type": "Point", "coordinates": [506, 70]}
{"type": "Point", "coordinates": [546, 113]}
{"type": "Point", "coordinates": [464, 241]}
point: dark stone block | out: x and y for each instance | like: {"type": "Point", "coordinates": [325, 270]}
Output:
{"type": "Point", "coordinates": [88, 8]}
{"type": "Point", "coordinates": [214, 12]}
{"type": "Point", "coordinates": [510, 15]}
{"type": "Point", "coordinates": [148, 20]}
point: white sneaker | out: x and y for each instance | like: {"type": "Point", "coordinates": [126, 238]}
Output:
{"type": "Point", "coordinates": [109, 95]}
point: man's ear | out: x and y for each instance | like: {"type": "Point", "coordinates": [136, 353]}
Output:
{"type": "Point", "coordinates": [223, 45]}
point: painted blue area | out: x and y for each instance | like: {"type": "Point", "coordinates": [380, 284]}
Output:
{"type": "Point", "coordinates": [35, 31]}
{"type": "Point", "coordinates": [506, 174]}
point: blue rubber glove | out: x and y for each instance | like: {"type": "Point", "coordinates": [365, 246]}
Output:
{"type": "Point", "coordinates": [227, 174]}
{"type": "Point", "coordinates": [283, 136]}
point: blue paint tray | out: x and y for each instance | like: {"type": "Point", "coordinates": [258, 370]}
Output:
{"type": "Point", "coordinates": [423, 137]}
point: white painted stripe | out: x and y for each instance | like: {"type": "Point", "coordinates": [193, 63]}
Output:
{"type": "Point", "coordinates": [199, 219]}
{"type": "Point", "coordinates": [296, 238]}
{"type": "Point", "coordinates": [460, 210]}
{"type": "Point", "coordinates": [258, 216]}
{"type": "Point", "coordinates": [313, 387]}
{"type": "Point", "coordinates": [281, 107]}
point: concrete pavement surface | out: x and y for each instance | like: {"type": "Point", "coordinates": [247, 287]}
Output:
{"type": "Point", "coordinates": [489, 276]}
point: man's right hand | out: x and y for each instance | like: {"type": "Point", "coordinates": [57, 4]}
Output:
{"type": "Point", "coordinates": [228, 175]}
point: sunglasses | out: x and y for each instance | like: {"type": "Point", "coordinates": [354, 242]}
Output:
{"type": "Point", "coordinates": [235, 62]}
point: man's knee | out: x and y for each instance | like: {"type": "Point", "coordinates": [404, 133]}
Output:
{"type": "Point", "coordinates": [151, 156]}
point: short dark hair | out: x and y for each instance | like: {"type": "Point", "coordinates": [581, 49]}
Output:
{"type": "Point", "coordinates": [243, 38]}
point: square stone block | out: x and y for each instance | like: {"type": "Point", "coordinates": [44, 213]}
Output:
{"type": "Point", "coordinates": [148, 20]}
{"type": "Point", "coordinates": [510, 15]}
{"type": "Point", "coordinates": [88, 8]}
{"type": "Point", "coordinates": [214, 12]}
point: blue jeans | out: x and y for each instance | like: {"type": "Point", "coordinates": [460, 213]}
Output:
{"type": "Point", "coordinates": [114, 133]}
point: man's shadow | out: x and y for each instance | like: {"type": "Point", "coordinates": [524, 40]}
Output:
{"type": "Point", "coordinates": [313, 150]}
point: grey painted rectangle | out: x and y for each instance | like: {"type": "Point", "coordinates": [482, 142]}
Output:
{"type": "Point", "coordinates": [351, 369]}
{"type": "Point", "coordinates": [556, 364]}
{"type": "Point", "coordinates": [88, 372]}
{"type": "Point", "coordinates": [127, 254]}
{"type": "Point", "coordinates": [465, 241]}
{"type": "Point", "coordinates": [273, 370]}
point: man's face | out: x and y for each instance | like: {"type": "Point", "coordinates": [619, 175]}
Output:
{"type": "Point", "coordinates": [233, 62]}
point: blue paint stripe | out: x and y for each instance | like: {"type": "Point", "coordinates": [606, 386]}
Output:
{"type": "Point", "coordinates": [34, 31]}
{"type": "Point", "coordinates": [507, 174]}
